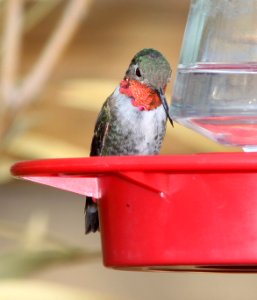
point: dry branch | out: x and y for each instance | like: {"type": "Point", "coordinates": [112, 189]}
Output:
{"type": "Point", "coordinates": [42, 70]}
{"type": "Point", "coordinates": [14, 99]}
{"type": "Point", "coordinates": [11, 50]}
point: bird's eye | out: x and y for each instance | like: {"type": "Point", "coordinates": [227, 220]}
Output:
{"type": "Point", "coordinates": [138, 73]}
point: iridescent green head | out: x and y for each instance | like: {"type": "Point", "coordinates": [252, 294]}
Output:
{"type": "Point", "coordinates": [149, 67]}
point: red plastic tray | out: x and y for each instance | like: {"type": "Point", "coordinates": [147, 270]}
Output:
{"type": "Point", "coordinates": [187, 212]}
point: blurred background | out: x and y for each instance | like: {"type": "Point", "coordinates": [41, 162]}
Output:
{"type": "Point", "coordinates": [59, 62]}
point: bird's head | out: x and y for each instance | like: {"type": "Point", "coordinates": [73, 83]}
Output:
{"type": "Point", "coordinates": [150, 68]}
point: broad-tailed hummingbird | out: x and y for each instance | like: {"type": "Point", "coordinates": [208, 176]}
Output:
{"type": "Point", "coordinates": [133, 119]}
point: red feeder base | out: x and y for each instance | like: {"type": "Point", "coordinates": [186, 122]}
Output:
{"type": "Point", "coordinates": [194, 212]}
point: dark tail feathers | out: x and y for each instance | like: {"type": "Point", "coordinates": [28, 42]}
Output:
{"type": "Point", "coordinates": [91, 216]}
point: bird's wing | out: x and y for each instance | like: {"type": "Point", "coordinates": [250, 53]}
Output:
{"type": "Point", "coordinates": [101, 130]}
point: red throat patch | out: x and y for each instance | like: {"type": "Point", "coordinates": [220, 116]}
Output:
{"type": "Point", "coordinates": [142, 96]}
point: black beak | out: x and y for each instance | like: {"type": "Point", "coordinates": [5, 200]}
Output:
{"type": "Point", "coordinates": [164, 104]}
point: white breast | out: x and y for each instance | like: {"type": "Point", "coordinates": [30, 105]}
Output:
{"type": "Point", "coordinates": [147, 128]}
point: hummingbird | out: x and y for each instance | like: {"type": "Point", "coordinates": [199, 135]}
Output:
{"type": "Point", "coordinates": [133, 119]}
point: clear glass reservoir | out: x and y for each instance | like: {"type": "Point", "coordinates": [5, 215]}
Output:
{"type": "Point", "coordinates": [215, 91]}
